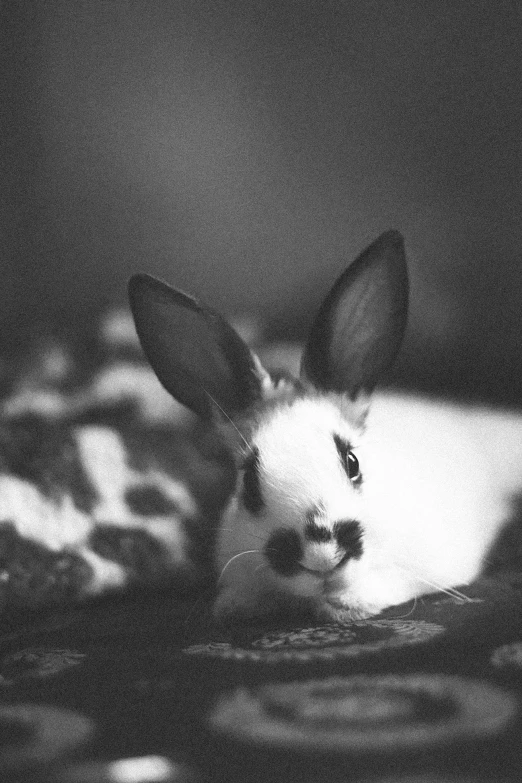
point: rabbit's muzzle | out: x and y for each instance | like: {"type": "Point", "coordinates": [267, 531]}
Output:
{"type": "Point", "coordinates": [323, 549]}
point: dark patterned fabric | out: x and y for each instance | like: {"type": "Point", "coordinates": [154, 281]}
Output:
{"type": "Point", "coordinates": [147, 688]}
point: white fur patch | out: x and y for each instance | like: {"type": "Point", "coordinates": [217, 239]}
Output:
{"type": "Point", "coordinates": [438, 482]}
{"type": "Point", "coordinates": [300, 464]}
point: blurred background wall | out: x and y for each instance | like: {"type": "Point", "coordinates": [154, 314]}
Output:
{"type": "Point", "coordinates": [246, 151]}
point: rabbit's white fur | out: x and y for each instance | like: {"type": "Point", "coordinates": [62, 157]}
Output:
{"type": "Point", "coordinates": [438, 484]}
{"type": "Point", "coordinates": [437, 480]}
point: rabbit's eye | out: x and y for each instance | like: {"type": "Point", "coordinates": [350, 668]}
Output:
{"type": "Point", "coordinates": [348, 459]}
{"type": "Point", "coordinates": [352, 467]}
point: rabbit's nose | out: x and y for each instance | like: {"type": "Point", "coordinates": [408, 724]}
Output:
{"type": "Point", "coordinates": [321, 559]}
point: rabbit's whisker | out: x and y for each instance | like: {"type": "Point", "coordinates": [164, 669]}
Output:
{"type": "Point", "coordinates": [451, 591]}
{"type": "Point", "coordinates": [407, 614]}
{"type": "Point", "coordinates": [234, 557]}
{"type": "Point", "coordinates": [227, 417]}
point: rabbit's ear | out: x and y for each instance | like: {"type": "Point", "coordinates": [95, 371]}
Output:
{"type": "Point", "coordinates": [196, 354]}
{"type": "Point", "coordinates": [360, 325]}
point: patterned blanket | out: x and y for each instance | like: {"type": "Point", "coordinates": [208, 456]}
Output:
{"type": "Point", "coordinates": [106, 483]}
{"type": "Point", "coordinates": [140, 684]}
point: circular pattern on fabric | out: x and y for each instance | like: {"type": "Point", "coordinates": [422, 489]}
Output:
{"type": "Point", "coordinates": [364, 713]}
{"type": "Point", "coordinates": [32, 734]}
{"type": "Point", "coordinates": [326, 642]}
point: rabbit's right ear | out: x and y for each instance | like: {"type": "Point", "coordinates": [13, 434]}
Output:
{"type": "Point", "coordinates": [196, 354]}
{"type": "Point", "coordinates": [360, 325]}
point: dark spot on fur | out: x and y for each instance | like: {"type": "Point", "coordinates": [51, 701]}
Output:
{"type": "Point", "coordinates": [317, 533]}
{"type": "Point", "coordinates": [314, 531]}
{"type": "Point", "coordinates": [46, 454]}
{"type": "Point", "coordinates": [149, 501]}
{"type": "Point", "coordinates": [283, 551]}
{"type": "Point", "coordinates": [348, 535]}
{"type": "Point", "coordinates": [32, 575]}
{"type": "Point", "coordinates": [251, 495]}
{"type": "Point", "coordinates": [143, 557]}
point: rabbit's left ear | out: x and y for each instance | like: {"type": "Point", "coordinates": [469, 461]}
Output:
{"type": "Point", "coordinates": [360, 325]}
{"type": "Point", "coordinates": [198, 357]}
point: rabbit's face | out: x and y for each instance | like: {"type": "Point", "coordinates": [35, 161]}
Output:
{"type": "Point", "coordinates": [298, 529]}
{"type": "Point", "coordinates": [295, 523]}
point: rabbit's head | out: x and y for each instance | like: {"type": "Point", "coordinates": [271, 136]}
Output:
{"type": "Point", "coordinates": [295, 531]}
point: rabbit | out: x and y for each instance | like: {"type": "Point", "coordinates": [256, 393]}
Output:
{"type": "Point", "coordinates": [347, 500]}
